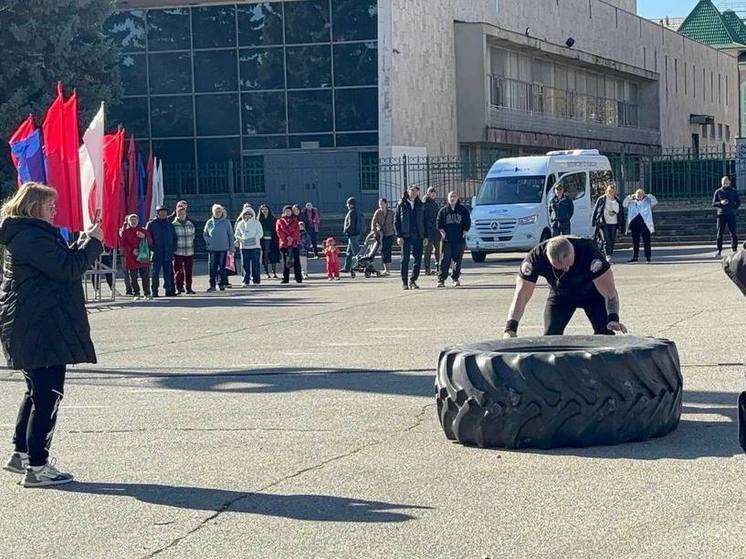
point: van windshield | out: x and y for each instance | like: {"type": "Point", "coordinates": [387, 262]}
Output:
{"type": "Point", "coordinates": [511, 190]}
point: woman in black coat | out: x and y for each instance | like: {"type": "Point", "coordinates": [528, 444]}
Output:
{"type": "Point", "coordinates": [608, 220]}
{"type": "Point", "coordinates": [270, 243]}
{"type": "Point", "coordinates": [43, 321]}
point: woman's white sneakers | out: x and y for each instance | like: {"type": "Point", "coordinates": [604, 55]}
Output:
{"type": "Point", "coordinates": [17, 463]}
{"type": "Point", "coordinates": [45, 476]}
{"type": "Point", "coordinates": [36, 476]}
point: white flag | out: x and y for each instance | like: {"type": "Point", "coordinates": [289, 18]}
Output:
{"type": "Point", "coordinates": [92, 169]}
{"type": "Point", "coordinates": [161, 189]}
{"type": "Point", "coordinates": [154, 198]}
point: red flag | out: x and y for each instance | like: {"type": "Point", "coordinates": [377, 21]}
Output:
{"type": "Point", "coordinates": [132, 177]}
{"type": "Point", "coordinates": [111, 218]}
{"type": "Point", "coordinates": [149, 190]}
{"type": "Point", "coordinates": [61, 142]}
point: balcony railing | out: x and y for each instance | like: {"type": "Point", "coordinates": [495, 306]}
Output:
{"type": "Point", "coordinates": [542, 99]}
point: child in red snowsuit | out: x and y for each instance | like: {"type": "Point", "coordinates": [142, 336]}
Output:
{"type": "Point", "coordinates": [331, 252]}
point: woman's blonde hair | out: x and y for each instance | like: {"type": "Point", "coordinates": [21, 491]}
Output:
{"type": "Point", "coordinates": [610, 188]}
{"type": "Point", "coordinates": [639, 192]}
{"type": "Point", "coordinates": [28, 200]}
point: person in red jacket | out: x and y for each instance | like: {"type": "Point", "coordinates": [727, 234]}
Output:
{"type": "Point", "coordinates": [288, 236]}
{"type": "Point", "coordinates": [130, 239]}
{"type": "Point", "coordinates": [331, 252]}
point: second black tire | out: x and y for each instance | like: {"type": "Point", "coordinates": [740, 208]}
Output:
{"type": "Point", "coordinates": [559, 391]}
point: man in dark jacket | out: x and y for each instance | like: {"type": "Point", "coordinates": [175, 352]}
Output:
{"type": "Point", "coordinates": [432, 235]}
{"type": "Point", "coordinates": [164, 246]}
{"type": "Point", "coordinates": [353, 228]}
{"type": "Point", "coordinates": [453, 223]}
{"type": "Point", "coordinates": [561, 209]}
{"type": "Point", "coordinates": [727, 202]}
{"type": "Point", "coordinates": [409, 224]}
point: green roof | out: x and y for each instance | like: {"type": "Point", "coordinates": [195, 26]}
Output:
{"type": "Point", "coordinates": [707, 25]}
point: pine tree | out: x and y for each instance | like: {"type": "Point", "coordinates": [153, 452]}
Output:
{"type": "Point", "coordinates": [46, 41]}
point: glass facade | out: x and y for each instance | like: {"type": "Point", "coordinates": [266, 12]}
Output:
{"type": "Point", "coordinates": [216, 83]}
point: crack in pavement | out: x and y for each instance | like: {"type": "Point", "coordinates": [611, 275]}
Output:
{"type": "Point", "coordinates": [225, 507]}
{"type": "Point", "coordinates": [195, 430]}
{"type": "Point", "coordinates": [682, 320]}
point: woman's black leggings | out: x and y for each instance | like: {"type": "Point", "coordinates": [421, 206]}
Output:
{"type": "Point", "coordinates": [37, 416]}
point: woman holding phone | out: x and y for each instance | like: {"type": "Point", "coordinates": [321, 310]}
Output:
{"type": "Point", "coordinates": [43, 321]}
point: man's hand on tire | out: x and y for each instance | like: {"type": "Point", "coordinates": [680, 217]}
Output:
{"type": "Point", "coordinates": [617, 327]}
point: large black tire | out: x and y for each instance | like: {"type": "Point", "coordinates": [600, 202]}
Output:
{"type": "Point", "coordinates": [559, 391]}
{"type": "Point", "coordinates": [478, 256]}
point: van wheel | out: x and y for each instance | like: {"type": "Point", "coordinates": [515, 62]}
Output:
{"type": "Point", "coordinates": [478, 257]}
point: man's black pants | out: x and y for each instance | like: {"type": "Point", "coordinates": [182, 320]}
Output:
{"type": "Point", "coordinates": [411, 247]}
{"type": "Point", "coordinates": [37, 416]}
{"type": "Point", "coordinates": [561, 308]}
{"type": "Point", "coordinates": [560, 228]}
{"type": "Point", "coordinates": [727, 222]}
{"type": "Point", "coordinates": [451, 252]}
{"type": "Point", "coordinates": [291, 259]}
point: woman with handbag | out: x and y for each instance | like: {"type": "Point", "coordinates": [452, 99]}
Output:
{"type": "Point", "coordinates": [608, 219]}
{"type": "Point", "coordinates": [136, 245]}
{"type": "Point", "coordinates": [219, 239]}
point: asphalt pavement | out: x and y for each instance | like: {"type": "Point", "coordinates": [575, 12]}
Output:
{"type": "Point", "coordinates": [299, 421]}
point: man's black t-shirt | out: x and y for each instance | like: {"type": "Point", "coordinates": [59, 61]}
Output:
{"type": "Point", "coordinates": [590, 264]}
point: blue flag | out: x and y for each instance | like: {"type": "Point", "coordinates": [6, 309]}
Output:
{"type": "Point", "coordinates": [30, 156]}
{"type": "Point", "coordinates": [142, 188]}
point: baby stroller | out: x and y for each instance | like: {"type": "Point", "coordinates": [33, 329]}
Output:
{"type": "Point", "coordinates": [362, 263]}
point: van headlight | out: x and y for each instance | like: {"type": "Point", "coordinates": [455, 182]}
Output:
{"type": "Point", "coordinates": [530, 220]}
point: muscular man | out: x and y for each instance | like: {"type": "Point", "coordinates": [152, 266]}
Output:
{"type": "Point", "coordinates": [579, 277]}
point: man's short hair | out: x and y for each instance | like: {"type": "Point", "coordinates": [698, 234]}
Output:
{"type": "Point", "coordinates": [559, 248]}
{"type": "Point", "coordinates": [431, 190]}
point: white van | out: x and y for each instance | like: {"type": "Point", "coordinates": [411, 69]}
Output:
{"type": "Point", "coordinates": [511, 211]}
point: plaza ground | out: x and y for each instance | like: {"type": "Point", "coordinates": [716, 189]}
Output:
{"type": "Point", "coordinates": [300, 422]}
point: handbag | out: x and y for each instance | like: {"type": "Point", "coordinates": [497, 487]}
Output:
{"type": "Point", "coordinates": [230, 262]}
{"type": "Point", "coordinates": [143, 251]}
{"type": "Point", "coordinates": [734, 266]}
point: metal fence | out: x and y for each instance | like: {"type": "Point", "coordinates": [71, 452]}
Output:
{"type": "Point", "coordinates": [674, 174]}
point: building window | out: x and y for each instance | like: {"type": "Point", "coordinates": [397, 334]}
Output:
{"type": "Point", "coordinates": [260, 24]}
{"type": "Point", "coordinates": [217, 115]}
{"type": "Point", "coordinates": [263, 113]}
{"type": "Point", "coordinates": [720, 131]}
{"type": "Point", "coordinates": [169, 29]}
{"type": "Point", "coordinates": [214, 27]}
{"type": "Point", "coordinates": [134, 112]}
{"type": "Point", "coordinates": [127, 30]}
{"type": "Point", "coordinates": [172, 116]}
{"type": "Point", "coordinates": [262, 68]}
{"type": "Point", "coordinates": [303, 141]}
{"type": "Point", "coordinates": [704, 131]}
{"type": "Point", "coordinates": [310, 111]}
{"type": "Point", "coordinates": [727, 133]}
{"type": "Point", "coordinates": [355, 64]}
{"type": "Point", "coordinates": [357, 109]}
{"type": "Point", "coordinates": [218, 150]}
{"type": "Point", "coordinates": [307, 22]}
{"type": "Point", "coordinates": [676, 75]}
{"type": "Point", "coordinates": [170, 73]}
{"type": "Point", "coordinates": [355, 20]}
{"type": "Point", "coordinates": [215, 71]}
{"type": "Point", "coordinates": [309, 67]}
{"type": "Point", "coordinates": [132, 68]}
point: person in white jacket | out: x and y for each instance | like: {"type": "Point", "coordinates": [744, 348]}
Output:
{"type": "Point", "coordinates": [249, 233]}
{"type": "Point", "coordinates": [640, 224]}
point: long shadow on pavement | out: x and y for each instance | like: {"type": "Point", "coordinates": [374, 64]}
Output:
{"type": "Point", "coordinates": [315, 508]}
{"type": "Point", "coordinates": [271, 380]}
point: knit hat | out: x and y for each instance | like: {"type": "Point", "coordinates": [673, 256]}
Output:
{"type": "Point", "coordinates": [351, 201]}
{"type": "Point", "coordinates": [287, 207]}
